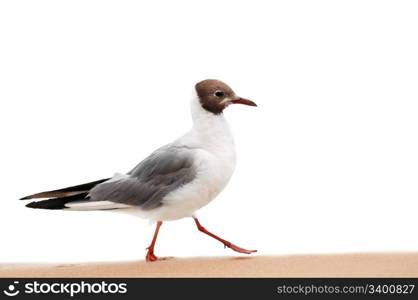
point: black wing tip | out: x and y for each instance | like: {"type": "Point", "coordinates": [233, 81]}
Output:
{"type": "Point", "coordinates": [46, 205]}
{"type": "Point", "coordinates": [38, 195]}
{"type": "Point", "coordinates": [28, 197]}
{"type": "Point", "coordinates": [51, 194]}
{"type": "Point", "coordinates": [56, 203]}
{"type": "Point", "coordinates": [33, 204]}
{"type": "Point", "coordinates": [69, 191]}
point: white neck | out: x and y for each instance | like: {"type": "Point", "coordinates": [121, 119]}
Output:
{"type": "Point", "coordinates": [209, 131]}
{"type": "Point", "coordinates": [202, 118]}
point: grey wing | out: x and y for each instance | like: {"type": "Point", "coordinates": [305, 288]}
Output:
{"type": "Point", "coordinates": [150, 181]}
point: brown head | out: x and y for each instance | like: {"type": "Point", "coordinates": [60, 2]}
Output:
{"type": "Point", "coordinates": [215, 96]}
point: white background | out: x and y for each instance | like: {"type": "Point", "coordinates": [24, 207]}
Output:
{"type": "Point", "coordinates": [327, 162]}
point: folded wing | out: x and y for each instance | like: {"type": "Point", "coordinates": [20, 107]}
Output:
{"type": "Point", "coordinates": [164, 171]}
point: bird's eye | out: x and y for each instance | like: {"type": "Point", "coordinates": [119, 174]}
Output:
{"type": "Point", "coordinates": [219, 94]}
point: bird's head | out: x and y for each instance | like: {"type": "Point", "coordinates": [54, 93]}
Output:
{"type": "Point", "coordinates": [215, 96]}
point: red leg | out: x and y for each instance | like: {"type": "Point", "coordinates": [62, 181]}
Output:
{"type": "Point", "coordinates": [226, 243]}
{"type": "Point", "coordinates": [150, 254]}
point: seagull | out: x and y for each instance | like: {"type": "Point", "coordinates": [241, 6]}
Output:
{"type": "Point", "coordinates": [175, 180]}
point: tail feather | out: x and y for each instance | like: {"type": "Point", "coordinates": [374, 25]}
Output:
{"type": "Point", "coordinates": [65, 192]}
{"type": "Point", "coordinates": [57, 203]}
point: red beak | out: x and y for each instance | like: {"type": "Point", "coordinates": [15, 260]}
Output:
{"type": "Point", "coordinates": [243, 101]}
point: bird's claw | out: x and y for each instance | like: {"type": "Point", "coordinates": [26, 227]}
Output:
{"type": "Point", "coordinates": [238, 249]}
{"type": "Point", "coordinates": [150, 257]}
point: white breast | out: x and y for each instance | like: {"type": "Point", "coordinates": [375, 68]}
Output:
{"type": "Point", "coordinates": [214, 153]}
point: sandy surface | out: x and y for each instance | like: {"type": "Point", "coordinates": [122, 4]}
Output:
{"type": "Point", "coordinates": [344, 265]}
